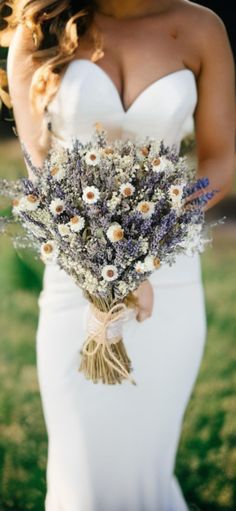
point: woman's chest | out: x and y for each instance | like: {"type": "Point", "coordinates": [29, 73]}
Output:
{"type": "Point", "coordinates": [137, 55]}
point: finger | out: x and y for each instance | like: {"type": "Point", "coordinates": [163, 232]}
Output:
{"type": "Point", "coordinates": [142, 315]}
{"type": "Point", "coordinates": [201, 197]}
{"type": "Point", "coordinates": [194, 195]}
{"type": "Point", "coordinates": [190, 207]}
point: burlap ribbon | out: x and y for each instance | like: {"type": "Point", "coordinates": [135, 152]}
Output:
{"type": "Point", "coordinates": [98, 332]}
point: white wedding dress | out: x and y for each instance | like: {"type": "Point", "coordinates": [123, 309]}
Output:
{"type": "Point", "coordinates": [113, 448]}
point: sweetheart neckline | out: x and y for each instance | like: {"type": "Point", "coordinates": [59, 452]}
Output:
{"type": "Point", "coordinates": [109, 79]}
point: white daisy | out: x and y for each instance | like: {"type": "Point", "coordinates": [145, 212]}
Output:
{"type": "Point", "coordinates": [76, 223]}
{"type": "Point", "coordinates": [109, 272]}
{"type": "Point", "coordinates": [92, 157]}
{"type": "Point", "coordinates": [49, 251]}
{"type": "Point", "coordinates": [26, 203]}
{"type": "Point", "coordinates": [115, 232]}
{"type": "Point", "coordinates": [91, 194]}
{"type": "Point", "coordinates": [57, 172]}
{"type": "Point", "coordinates": [107, 152]}
{"type": "Point", "coordinates": [57, 206]}
{"type": "Point", "coordinates": [142, 152]}
{"type": "Point", "coordinates": [127, 189]}
{"type": "Point", "coordinates": [146, 208]}
{"type": "Point", "coordinates": [31, 202]}
{"type": "Point", "coordinates": [151, 262]}
{"type": "Point", "coordinates": [18, 205]}
{"type": "Point", "coordinates": [63, 229]}
{"type": "Point", "coordinates": [161, 163]}
{"type": "Point", "coordinates": [140, 267]}
{"type": "Point", "coordinates": [176, 194]}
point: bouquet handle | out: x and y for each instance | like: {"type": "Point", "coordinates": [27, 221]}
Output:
{"type": "Point", "coordinates": [103, 353]}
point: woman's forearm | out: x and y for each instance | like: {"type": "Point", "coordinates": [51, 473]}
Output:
{"type": "Point", "coordinates": [220, 172]}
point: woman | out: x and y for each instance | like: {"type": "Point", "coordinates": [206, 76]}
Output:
{"type": "Point", "coordinates": [138, 68]}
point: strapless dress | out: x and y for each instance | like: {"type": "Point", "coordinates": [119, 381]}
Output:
{"type": "Point", "coordinates": [113, 448]}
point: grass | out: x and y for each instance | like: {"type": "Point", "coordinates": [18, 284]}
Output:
{"type": "Point", "coordinates": [206, 460]}
{"type": "Point", "coordinates": [206, 463]}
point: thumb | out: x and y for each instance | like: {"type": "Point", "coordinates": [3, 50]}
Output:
{"type": "Point", "coordinates": [142, 315]}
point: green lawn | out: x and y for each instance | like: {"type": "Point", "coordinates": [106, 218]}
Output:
{"type": "Point", "coordinates": [206, 461]}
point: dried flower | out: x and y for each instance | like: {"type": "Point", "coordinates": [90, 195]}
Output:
{"type": "Point", "coordinates": [176, 194]}
{"type": "Point", "coordinates": [146, 208]}
{"type": "Point", "coordinates": [115, 232]}
{"type": "Point", "coordinates": [77, 223]}
{"type": "Point", "coordinates": [128, 195]}
{"type": "Point", "coordinates": [140, 267]}
{"type": "Point", "coordinates": [57, 206]}
{"type": "Point", "coordinates": [161, 164]}
{"type": "Point", "coordinates": [109, 272]}
{"type": "Point", "coordinates": [49, 251]}
{"type": "Point", "coordinates": [92, 157]}
{"type": "Point", "coordinates": [63, 229]}
{"type": "Point", "coordinates": [91, 194]}
{"type": "Point", "coordinates": [58, 172]}
{"type": "Point", "coordinates": [27, 203]}
{"type": "Point", "coordinates": [127, 189]}
{"type": "Point", "coordinates": [152, 263]}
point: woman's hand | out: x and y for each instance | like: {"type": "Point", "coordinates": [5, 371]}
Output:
{"type": "Point", "coordinates": [145, 296]}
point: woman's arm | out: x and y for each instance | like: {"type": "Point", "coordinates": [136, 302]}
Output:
{"type": "Point", "coordinates": [214, 122]}
{"type": "Point", "coordinates": [215, 113]}
{"type": "Point", "coordinates": [20, 70]}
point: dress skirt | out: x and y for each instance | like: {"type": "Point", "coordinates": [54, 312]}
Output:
{"type": "Point", "coordinates": [113, 448]}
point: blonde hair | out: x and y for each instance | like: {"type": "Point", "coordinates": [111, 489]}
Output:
{"type": "Point", "coordinates": [56, 27]}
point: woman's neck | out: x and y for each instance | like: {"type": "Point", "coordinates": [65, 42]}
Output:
{"type": "Point", "coordinates": [131, 8]}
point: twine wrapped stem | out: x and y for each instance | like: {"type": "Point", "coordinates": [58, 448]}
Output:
{"type": "Point", "coordinates": [104, 356]}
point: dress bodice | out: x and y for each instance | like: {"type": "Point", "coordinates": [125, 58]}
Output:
{"type": "Point", "coordinates": [87, 95]}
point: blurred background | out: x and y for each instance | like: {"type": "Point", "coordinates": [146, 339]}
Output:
{"type": "Point", "coordinates": [206, 460]}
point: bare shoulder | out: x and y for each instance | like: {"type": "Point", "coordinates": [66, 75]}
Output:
{"type": "Point", "coordinates": [203, 23]}
{"type": "Point", "coordinates": [20, 70]}
{"type": "Point", "coordinates": [206, 35]}
{"type": "Point", "coordinates": [19, 59]}
{"type": "Point", "coordinates": [198, 13]}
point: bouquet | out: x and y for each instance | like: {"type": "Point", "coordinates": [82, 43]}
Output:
{"type": "Point", "coordinates": [109, 214]}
